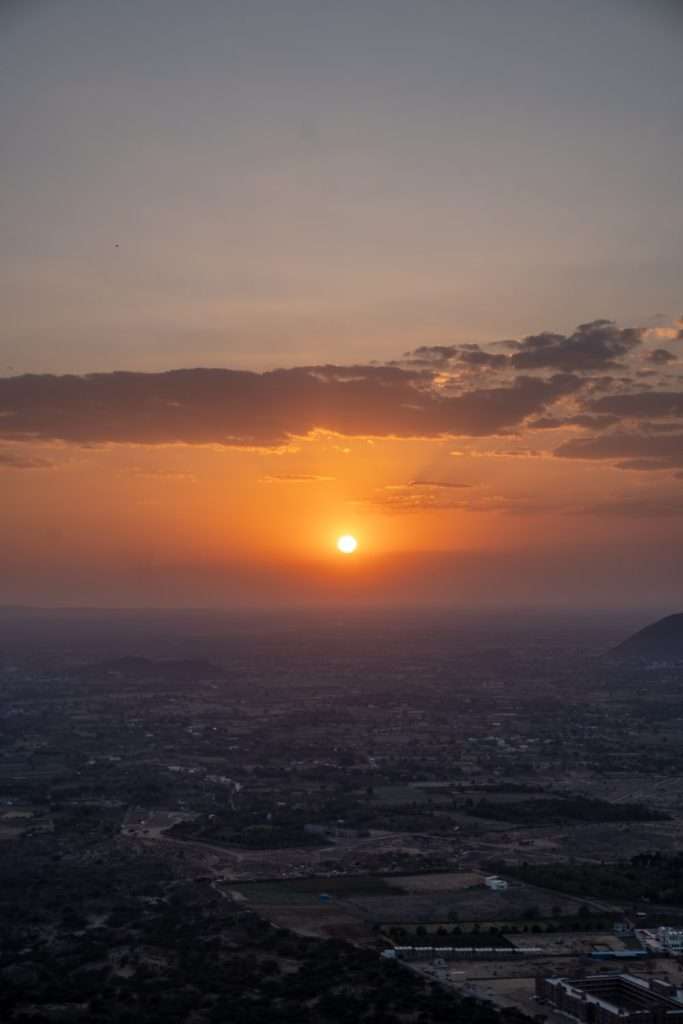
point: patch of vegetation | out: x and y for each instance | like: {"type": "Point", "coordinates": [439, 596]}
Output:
{"type": "Point", "coordinates": [251, 837]}
{"type": "Point", "coordinates": [655, 877]}
{"type": "Point", "coordinates": [124, 940]}
{"type": "Point", "coordinates": [426, 935]}
{"type": "Point", "coordinates": [308, 890]}
{"type": "Point", "coordinates": [559, 809]}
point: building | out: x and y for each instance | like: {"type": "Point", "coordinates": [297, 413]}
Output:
{"type": "Point", "coordinates": [612, 999]}
{"type": "Point", "coordinates": [661, 941]}
{"type": "Point", "coordinates": [495, 883]}
{"type": "Point", "coordinates": [671, 939]}
{"type": "Point", "coordinates": [619, 954]}
{"type": "Point", "coordinates": [462, 952]}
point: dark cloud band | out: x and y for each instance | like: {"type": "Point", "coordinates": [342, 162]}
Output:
{"type": "Point", "coordinates": [230, 407]}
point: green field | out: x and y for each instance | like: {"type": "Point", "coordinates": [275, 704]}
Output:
{"type": "Point", "coordinates": [397, 796]}
{"type": "Point", "coordinates": [307, 891]}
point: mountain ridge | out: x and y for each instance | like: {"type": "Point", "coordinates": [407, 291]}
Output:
{"type": "Point", "coordinates": [659, 641]}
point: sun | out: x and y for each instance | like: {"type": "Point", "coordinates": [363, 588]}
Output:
{"type": "Point", "coordinates": [347, 544]}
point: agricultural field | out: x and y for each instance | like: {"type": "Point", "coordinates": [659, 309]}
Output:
{"type": "Point", "coordinates": [447, 881]}
{"type": "Point", "coordinates": [310, 891]}
{"type": "Point", "coordinates": [397, 796]}
{"type": "Point", "coordinates": [450, 906]}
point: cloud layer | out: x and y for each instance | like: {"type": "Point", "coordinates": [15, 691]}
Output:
{"type": "Point", "coordinates": [241, 408]}
{"type": "Point", "coordinates": [599, 345]}
{"type": "Point", "coordinates": [630, 450]}
{"type": "Point", "coordinates": [611, 387]}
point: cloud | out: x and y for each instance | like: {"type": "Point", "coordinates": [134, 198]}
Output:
{"type": "Point", "coordinates": [439, 357]}
{"type": "Point", "coordinates": [294, 478]}
{"type": "Point", "coordinates": [672, 332]}
{"type": "Point", "coordinates": [581, 420]}
{"type": "Point", "coordinates": [243, 408]}
{"type": "Point", "coordinates": [436, 483]}
{"type": "Point", "coordinates": [644, 464]}
{"type": "Point", "coordinates": [170, 475]}
{"type": "Point", "coordinates": [16, 460]}
{"type": "Point", "coordinates": [404, 498]}
{"type": "Point", "coordinates": [432, 356]}
{"type": "Point", "coordinates": [629, 450]}
{"type": "Point", "coordinates": [637, 507]}
{"type": "Point", "coordinates": [593, 347]}
{"type": "Point", "coordinates": [400, 499]}
{"type": "Point", "coordinates": [641, 404]}
{"type": "Point", "coordinates": [547, 381]}
{"type": "Point", "coordinates": [499, 453]}
{"type": "Point", "coordinates": [660, 357]}
{"type": "Point", "coordinates": [659, 426]}
{"type": "Point", "coordinates": [599, 345]}
{"type": "Point", "coordinates": [473, 355]}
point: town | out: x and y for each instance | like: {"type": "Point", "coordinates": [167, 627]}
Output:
{"type": "Point", "coordinates": [482, 819]}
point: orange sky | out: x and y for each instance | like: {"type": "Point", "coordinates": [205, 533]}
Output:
{"type": "Point", "coordinates": [495, 518]}
{"type": "Point", "coordinates": [278, 271]}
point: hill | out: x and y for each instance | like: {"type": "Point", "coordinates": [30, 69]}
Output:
{"type": "Point", "coordinates": [661, 641]}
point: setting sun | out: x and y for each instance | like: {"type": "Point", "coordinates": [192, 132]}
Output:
{"type": "Point", "coordinates": [347, 544]}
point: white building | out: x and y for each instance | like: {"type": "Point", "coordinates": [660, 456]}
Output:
{"type": "Point", "coordinates": [671, 939]}
{"type": "Point", "coordinates": [495, 883]}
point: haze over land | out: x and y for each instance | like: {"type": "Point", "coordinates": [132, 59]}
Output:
{"type": "Point", "coordinates": [294, 818]}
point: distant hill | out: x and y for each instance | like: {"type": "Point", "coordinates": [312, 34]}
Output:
{"type": "Point", "coordinates": [661, 641]}
{"type": "Point", "coordinates": [147, 668]}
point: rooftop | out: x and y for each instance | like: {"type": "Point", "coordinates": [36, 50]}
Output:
{"type": "Point", "coordinates": [623, 992]}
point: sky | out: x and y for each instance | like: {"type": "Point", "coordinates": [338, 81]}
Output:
{"type": "Point", "coordinates": [277, 271]}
